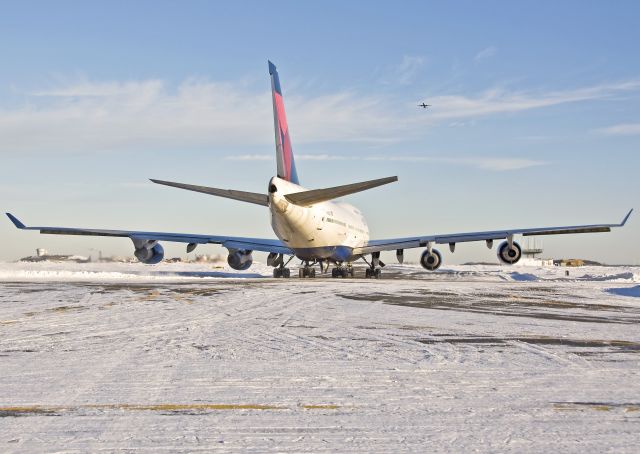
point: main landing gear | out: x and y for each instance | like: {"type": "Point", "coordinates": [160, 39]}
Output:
{"type": "Point", "coordinates": [280, 267]}
{"type": "Point", "coordinates": [281, 272]}
{"type": "Point", "coordinates": [374, 271]}
{"type": "Point", "coordinates": [342, 271]}
{"type": "Point", "coordinates": [306, 271]}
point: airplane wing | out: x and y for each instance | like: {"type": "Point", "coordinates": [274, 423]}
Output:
{"type": "Point", "coordinates": [230, 242]}
{"type": "Point", "coordinates": [453, 238]}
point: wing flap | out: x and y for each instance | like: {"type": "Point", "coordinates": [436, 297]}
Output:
{"type": "Point", "coordinates": [388, 245]}
{"type": "Point", "coordinates": [83, 232]}
{"type": "Point", "coordinates": [568, 231]}
{"type": "Point", "coordinates": [257, 246]}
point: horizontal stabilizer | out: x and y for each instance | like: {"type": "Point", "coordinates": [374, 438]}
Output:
{"type": "Point", "coordinates": [16, 221]}
{"type": "Point", "coordinates": [250, 197]}
{"type": "Point", "coordinates": [305, 198]}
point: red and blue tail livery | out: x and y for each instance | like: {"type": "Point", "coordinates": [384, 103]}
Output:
{"type": "Point", "coordinates": [284, 152]}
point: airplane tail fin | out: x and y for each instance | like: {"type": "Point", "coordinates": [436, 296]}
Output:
{"type": "Point", "coordinates": [284, 152]}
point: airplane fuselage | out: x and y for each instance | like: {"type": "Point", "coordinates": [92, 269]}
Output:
{"type": "Point", "coordinates": [326, 230]}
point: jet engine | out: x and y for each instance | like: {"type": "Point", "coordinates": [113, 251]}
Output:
{"type": "Point", "coordinates": [431, 260]}
{"type": "Point", "coordinates": [509, 254]}
{"type": "Point", "coordinates": [149, 252]}
{"type": "Point", "coordinates": [239, 260]}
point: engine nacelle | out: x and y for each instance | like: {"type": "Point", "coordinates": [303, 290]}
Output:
{"type": "Point", "coordinates": [240, 260]}
{"type": "Point", "coordinates": [509, 255]}
{"type": "Point", "coordinates": [431, 261]}
{"type": "Point", "coordinates": [150, 252]}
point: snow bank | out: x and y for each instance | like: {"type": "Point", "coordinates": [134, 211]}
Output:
{"type": "Point", "coordinates": [523, 277]}
{"type": "Point", "coordinates": [625, 291]}
{"type": "Point", "coordinates": [104, 272]}
{"type": "Point", "coordinates": [100, 272]}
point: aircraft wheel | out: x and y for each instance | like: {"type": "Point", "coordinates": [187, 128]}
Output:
{"type": "Point", "coordinates": [377, 273]}
{"type": "Point", "coordinates": [286, 272]}
{"type": "Point", "coordinates": [368, 273]}
{"type": "Point", "coordinates": [312, 272]}
{"type": "Point", "coordinates": [277, 272]}
{"type": "Point", "coordinates": [301, 273]}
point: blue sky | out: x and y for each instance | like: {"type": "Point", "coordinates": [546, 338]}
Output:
{"type": "Point", "coordinates": [534, 121]}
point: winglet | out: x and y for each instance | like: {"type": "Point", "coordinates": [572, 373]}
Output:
{"type": "Point", "coordinates": [16, 222]}
{"type": "Point", "coordinates": [624, 221]}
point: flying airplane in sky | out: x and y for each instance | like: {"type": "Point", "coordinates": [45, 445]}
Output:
{"type": "Point", "coordinates": [311, 225]}
{"type": "Point", "coordinates": [424, 106]}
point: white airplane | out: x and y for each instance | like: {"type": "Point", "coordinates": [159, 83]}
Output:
{"type": "Point", "coordinates": [311, 225]}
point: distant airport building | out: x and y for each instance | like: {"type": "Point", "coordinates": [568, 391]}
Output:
{"type": "Point", "coordinates": [530, 261]}
{"type": "Point", "coordinates": [43, 256]}
{"type": "Point", "coordinates": [569, 262]}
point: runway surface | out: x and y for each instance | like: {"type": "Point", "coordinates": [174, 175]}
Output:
{"type": "Point", "coordinates": [183, 358]}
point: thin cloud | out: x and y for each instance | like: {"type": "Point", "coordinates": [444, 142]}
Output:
{"type": "Point", "coordinates": [149, 114]}
{"type": "Point", "coordinates": [202, 114]}
{"type": "Point", "coordinates": [252, 157]}
{"type": "Point", "coordinates": [625, 129]}
{"type": "Point", "coordinates": [103, 89]}
{"type": "Point", "coordinates": [485, 53]}
{"type": "Point", "coordinates": [496, 164]}
{"type": "Point", "coordinates": [146, 114]}
{"type": "Point", "coordinates": [409, 68]}
{"type": "Point", "coordinates": [496, 100]}
{"type": "Point", "coordinates": [405, 72]}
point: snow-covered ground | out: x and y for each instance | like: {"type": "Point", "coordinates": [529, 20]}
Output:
{"type": "Point", "coordinates": [182, 357]}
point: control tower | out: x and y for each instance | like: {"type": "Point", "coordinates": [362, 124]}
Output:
{"type": "Point", "coordinates": [532, 247]}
